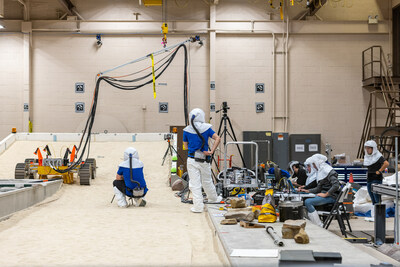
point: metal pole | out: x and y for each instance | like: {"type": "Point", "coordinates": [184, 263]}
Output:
{"type": "Point", "coordinates": [277, 240]}
{"type": "Point", "coordinates": [396, 219]}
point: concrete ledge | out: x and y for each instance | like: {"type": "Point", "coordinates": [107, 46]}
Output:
{"type": "Point", "coordinates": [321, 240]}
{"type": "Point", "coordinates": [7, 142]}
{"type": "Point", "coordinates": [24, 194]}
{"type": "Point", "coordinates": [96, 137]}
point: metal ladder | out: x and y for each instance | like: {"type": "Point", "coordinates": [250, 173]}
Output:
{"type": "Point", "coordinates": [383, 114]}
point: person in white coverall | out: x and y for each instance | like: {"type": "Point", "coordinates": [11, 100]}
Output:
{"type": "Point", "coordinates": [376, 164]}
{"type": "Point", "coordinates": [327, 189]}
{"type": "Point", "coordinates": [195, 140]}
{"type": "Point", "coordinates": [311, 180]}
{"type": "Point", "coordinates": [124, 183]}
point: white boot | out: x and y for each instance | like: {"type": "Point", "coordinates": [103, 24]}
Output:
{"type": "Point", "coordinates": [141, 202]}
{"type": "Point", "coordinates": [314, 218]}
{"type": "Point", "coordinates": [194, 210]}
{"type": "Point", "coordinates": [372, 218]}
{"type": "Point", "coordinates": [121, 200]}
{"type": "Point", "coordinates": [217, 200]}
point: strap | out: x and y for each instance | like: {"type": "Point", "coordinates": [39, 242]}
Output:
{"type": "Point", "coordinates": [154, 76]}
{"type": "Point", "coordinates": [131, 172]}
{"type": "Point", "coordinates": [130, 167]}
{"type": "Point", "coordinates": [268, 213]}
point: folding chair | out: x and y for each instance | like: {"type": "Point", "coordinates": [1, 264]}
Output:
{"type": "Point", "coordinates": [338, 211]}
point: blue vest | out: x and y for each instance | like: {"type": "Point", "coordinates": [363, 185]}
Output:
{"type": "Point", "coordinates": [137, 175]}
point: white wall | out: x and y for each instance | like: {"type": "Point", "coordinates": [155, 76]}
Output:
{"type": "Point", "coordinates": [60, 61]}
{"type": "Point", "coordinates": [325, 93]}
{"type": "Point", "coordinates": [11, 82]}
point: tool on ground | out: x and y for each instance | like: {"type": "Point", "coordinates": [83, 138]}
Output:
{"type": "Point", "coordinates": [247, 224]}
{"type": "Point", "coordinates": [229, 221]}
{"type": "Point", "coordinates": [277, 240]}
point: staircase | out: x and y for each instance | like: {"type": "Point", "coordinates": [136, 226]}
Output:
{"type": "Point", "coordinates": [382, 122]}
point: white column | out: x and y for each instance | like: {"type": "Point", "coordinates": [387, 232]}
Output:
{"type": "Point", "coordinates": [27, 56]}
{"type": "Point", "coordinates": [212, 37]}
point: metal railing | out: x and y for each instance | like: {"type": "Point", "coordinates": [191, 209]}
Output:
{"type": "Point", "coordinates": [375, 66]}
{"type": "Point", "coordinates": [372, 60]}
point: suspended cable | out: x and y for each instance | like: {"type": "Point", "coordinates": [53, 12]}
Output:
{"type": "Point", "coordinates": [132, 84]}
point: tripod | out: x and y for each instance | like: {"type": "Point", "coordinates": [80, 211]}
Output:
{"type": "Point", "coordinates": [225, 131]}
{"type": "Point", "coordinates": [170, 148]}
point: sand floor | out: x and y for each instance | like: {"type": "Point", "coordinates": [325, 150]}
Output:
{"type": "Point", "coordinates": [79, 227]}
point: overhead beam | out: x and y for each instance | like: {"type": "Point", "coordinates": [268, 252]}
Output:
{"type": "Point", "coordinates": [70, 8]}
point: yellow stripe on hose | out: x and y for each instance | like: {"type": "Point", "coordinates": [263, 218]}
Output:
{"type": "Point", "coordinates": [154, 77]}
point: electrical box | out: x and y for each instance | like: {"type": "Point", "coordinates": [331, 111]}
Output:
{"type": "Point", "coordinates": [80, 87]}
{"type": "Point", "coordinates": [260, 107]}
{"type": "Point", "coordinates": [280, 148]}
{"type": "Point", "coordinates": [163, 107]}
{"type": "Point", "coordinates": [212, 107]}
{"type": "Point", "coordinates": [303, 146]}
{"type": "Point", "coordinates": [26, 27]}
{"type": "Point", "coordinates": [260, 88]}
{"type": "Point", "coordinates": [79, 107]}
{"type": "Point", "coordinates": [264, 141]}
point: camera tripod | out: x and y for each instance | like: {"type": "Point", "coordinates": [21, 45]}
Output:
{"type": "Point", "coordinates": [225, 130]}
{"type": "Point", "coordinates": [170, 149]}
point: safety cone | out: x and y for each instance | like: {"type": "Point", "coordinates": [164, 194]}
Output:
{"type": "Point", "coordinates": [348, 201]}
{"type": "Point", "coordinates": [351, 179]}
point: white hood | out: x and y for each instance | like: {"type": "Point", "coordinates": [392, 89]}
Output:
{"type": "Point", "coordinates": [291, 164]}
{"type": "Point", "coordinates": [311, 176]}
{"type": "Point", "coordinates": [371, 159]}
{"type": "Point", "coordinates": [323, 168]}
{"type": "Point", "coordinates": [136, 163]}
{"type": "Point", "coordinates": [199, 122]}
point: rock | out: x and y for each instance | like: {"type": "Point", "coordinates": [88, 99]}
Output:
{"type": "Point", "coordinates": [229, 222]}
{"type": "Point", "coordinates": [237, 203]}
{"type": "Point", "coordinates": [292, 227]}
{"type": "Point", "coordinates": [294, 224]}
{"type": "Point", "coordinates": [178, 185]}
{"type": "Point", "coordinates": [250, 217]}
{"type": "Point", "coordinates": [251, 225]}
{"type": "Point", "coordinates": [301, 237]}
{"type": "Point", "coordinates": [287, 233]}
{"type": "Point", "coordinates": [240, 215]}
{"type": "Point", "coordinates": [256, 214]}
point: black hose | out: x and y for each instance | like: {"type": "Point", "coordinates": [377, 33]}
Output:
{"type": "Point", "coordinates": [119, 84]}
{"type": "Point", "coordinates": [203, 141]}
{"type": "Point", "coordinates": [131, 171]}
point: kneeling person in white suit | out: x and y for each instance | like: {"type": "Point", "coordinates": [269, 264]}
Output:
{"type": "Point", "coordinates": [195, 139]}
{"type": "Point", "coordinates": [129, 178]}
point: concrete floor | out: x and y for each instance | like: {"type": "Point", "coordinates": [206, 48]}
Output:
{"type": "Point", "coordinates": [359, 224]}
{"type": "Point", "coordinates": [236, 237]}
{"type": "Point", "coordinates": [78, 226]}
